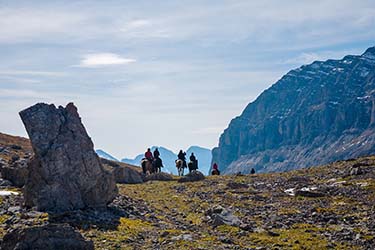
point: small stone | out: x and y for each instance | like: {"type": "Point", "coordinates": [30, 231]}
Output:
{"type": "Point", "coordinates": [226, 240]}
{"type": "Point", "coordinates": [164, 234]}
{"type": "Point", "coordinates": [273, 234]}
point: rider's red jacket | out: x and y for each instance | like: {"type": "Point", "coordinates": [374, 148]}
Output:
{"type": "Point", "coordinates": [148, 155]}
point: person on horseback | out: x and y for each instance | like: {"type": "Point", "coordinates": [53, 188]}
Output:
{"type": "Point", "coordinates": [156, 153]}
{"type": "Point", "coordinates": [181, 156]}
{"type": "Point", "coordinates": [148, 155]}
{"type": "Point", "coordinates": [157, 163]}
{"type": "Point", "coordinates": [215, 170]}
{"type": "Point", "coordinates": [193, 164]}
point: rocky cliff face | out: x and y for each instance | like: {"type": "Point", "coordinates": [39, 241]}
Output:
{"type": "Point", "coordinates": [315, 114]}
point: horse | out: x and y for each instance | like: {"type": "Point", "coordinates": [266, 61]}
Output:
{"type": "Point", "coordinates": [157, 165]}
{"type": "Point", "coordinates": [180, 167]}
{"type": "Point", "coordinates": [193, 166]}
{"type": "Point", "coordinates": [146, 166]}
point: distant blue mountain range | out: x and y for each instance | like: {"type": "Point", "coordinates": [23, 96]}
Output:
{"type": "Point", "coordinates": [105, 155]}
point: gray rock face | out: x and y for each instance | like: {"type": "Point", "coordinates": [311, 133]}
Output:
{"type": "Point", "coordinates": [65, 172]}
{"type": "Point", "coordinates": [313, 115]}
{"type": "Point", "coordinates": [16, 172]}
{"type": "Point", "coordinates": [57, 237]}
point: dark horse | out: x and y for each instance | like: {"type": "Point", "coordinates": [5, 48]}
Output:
{"type": "Point", "coordinates": [157, 164]}
{"type": "Point", "coordinates": [149, 167]}
{"type": "Point", "coordinates": [193, 166]}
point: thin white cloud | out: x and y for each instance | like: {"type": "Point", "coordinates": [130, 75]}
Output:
{"type": "Point", "coordinates": [103, 59]}
{"type": "Point", "coordinates": [31, 73]}
{"type": "Point", "coordinates": [136, 24]}
{"type": "Point", "coordinates": [19, 93]}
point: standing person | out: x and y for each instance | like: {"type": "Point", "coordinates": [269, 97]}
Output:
{"type": "Point", "coordinates": [148, 155]}
{"type": "Point", "coordinates": [193, 161]}
{"type": "Point", "coordinates": [215, 170]}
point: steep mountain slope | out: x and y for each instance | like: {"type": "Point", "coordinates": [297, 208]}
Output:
{"type": "Point", "coordinates": [105, 155]}
{"type": "Point", "coordinates": [313, 115]}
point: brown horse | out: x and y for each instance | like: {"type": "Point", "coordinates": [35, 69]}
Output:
{"type": "Point", "coordinates": [146, 166]}
{"type": "Point", "coordinates": [180, 167]}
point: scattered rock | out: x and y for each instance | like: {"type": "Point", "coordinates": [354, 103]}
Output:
{"type": "Point", "coordinates": [356, 170]}
{"type": "Point", "coordinates": [14, 158]}
{"type": "Point", "coordinates": [307, 193]}
{"type": "Point", "coordinates": [15, 147]}
{"type": "Point", "coordinates": [65, 172]}
{"type": "Point", "coordinates": [193, 176]}
{"type": "Point", "coordinates": [158, 177]}
{"type": "Point", "coordinates": [5, 183]}
{"type": "Point", "coordinates": [16, 172]}
{"type": "Point", "coordinates": [187, 237]}
{"type": "Point", "coordinates": [58, 237]}
{"type": "Point", "coordinates": [236, 185]}
{"type": "Point", "coordinates": [220, 216]}
{"type": "Point", "coordinates": [273, 234]}
{"type": "Point", "coordinates": [226, 240]}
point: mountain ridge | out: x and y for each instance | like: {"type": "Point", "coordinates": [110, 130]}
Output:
{"type": "Point", "coordinates": [101, 153]}
{"type": "Point", "coordinates": [311, 116]}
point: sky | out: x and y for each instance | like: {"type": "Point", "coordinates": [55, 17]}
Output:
{"type": "Point", "coordinates": [170, 73]}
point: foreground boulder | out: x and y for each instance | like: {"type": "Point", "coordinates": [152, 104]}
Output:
{"type": "Point", "coordinates": [65, 173]}
{"type": "Point", "coordinates": [123, 174]}
{"type": "Point", "coordinates": [57, 237]}
{"type": "Point", "coordinates": [193, 176]}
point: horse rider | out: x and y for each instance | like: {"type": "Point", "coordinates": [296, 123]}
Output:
{"type": "Point", "coordinates": [181, 156]}
{"type": "Point", "coordinates": [148, 155]}
{"type": "Point", "coordinates": [157, 163]}
{"type": "Point", "coordinates": [215, 170]}
{"type": "Point", "coordinates": [193, 159]}
{"type": "Point", "coordinates": [156, 153]}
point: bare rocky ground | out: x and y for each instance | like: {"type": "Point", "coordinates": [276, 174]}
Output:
{"type": "Point", "coordinates": [329, 207]}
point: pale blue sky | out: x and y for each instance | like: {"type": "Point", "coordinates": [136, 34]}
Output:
{"type": "Point", "coordinates": [171, 73]}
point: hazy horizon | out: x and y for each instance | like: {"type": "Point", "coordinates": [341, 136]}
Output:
{"type": "Point", "coordinates": [168, 73]}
